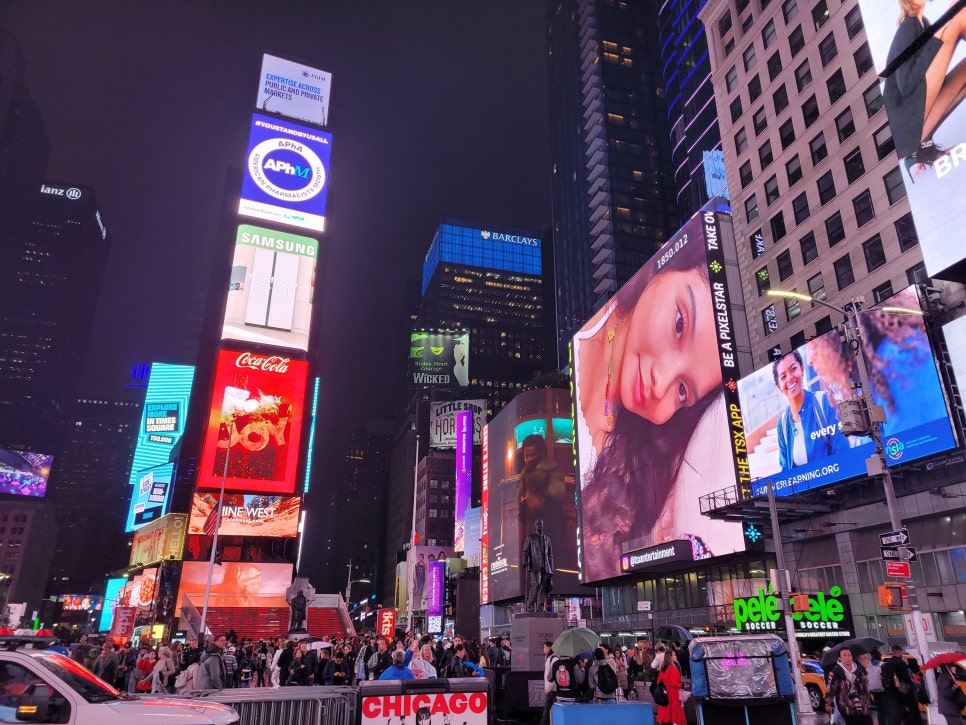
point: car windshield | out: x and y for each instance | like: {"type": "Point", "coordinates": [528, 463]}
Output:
{"type": "Point", "coordinates": [79, 678]}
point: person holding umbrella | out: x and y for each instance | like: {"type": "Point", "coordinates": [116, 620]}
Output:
{"type": "Point", "coordinates": [951, 698]}
{"type": "Point", "coordinates": [848, 690]}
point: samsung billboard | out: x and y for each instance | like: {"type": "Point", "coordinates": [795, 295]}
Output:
{"type": "Point", "coordinates": [294, 90]}
{"type": "Point", "coordinates": [163, 417]}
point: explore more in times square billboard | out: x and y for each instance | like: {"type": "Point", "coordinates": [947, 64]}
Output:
{"type": "Point", "coordinates": [654, 373]}
{"type": "Point", "coordinates": [439, 359]}
{"type": "Point", "coordinates": [294, 90]}
{"type": "Point", "coordinates": [928, 125]}
{"type": "Point", "coordinates": [247, 514]}
{"type": "Point", "coordinates": [163, 418]}
{"type": "Point", "coordinates": [255, 420]}
{"type": "Point", "coordinates": [23, 473]}
{"type": "Point", "coordinates": [809, 383]}
{"type": "Point", "coordinates": [271, 289]}
{"type": "Point", "coordinates": [286, 173]}
{"type": "Point", "coordinates": [150, 496]}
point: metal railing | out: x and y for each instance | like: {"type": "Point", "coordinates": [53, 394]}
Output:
{"type": "Point", "coordinates": [326, 705]}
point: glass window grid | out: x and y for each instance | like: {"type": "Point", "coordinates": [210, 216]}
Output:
{"type": "Point", "coordinates": [803, 76]}
{"type": "Point", "coordinates": [863, 207]}
{"type": "Point", "coordinates": [796, 41]}
{"type": "Point", "coordinates": [906, 232]}
{"type": "Point", "coordinates": [874, 253]}
{"type": "Point", "coordinates": [793, 169]}
{"type": "Point", "coordinates": [884, 143]}
{"type": "Point", "coordinates": [785, 268]}
{"type": "Point", "coordinates": [810, 112]}
{"type": "Point", "coordinates": [469, 247]}
{"type": "Point", "coordinates": [836, 86]}
{"type": "Point", "coordinates": [800, 208]}
{"type": "Point", "coordinates": [894, 185]}
{"type": "Point", "coordinates": [826, 188]}
{"type": "Point", "coordinates": [771, 191]}
{"type": "Point", "coordinates": [827, 50]}
{"type": "Point", "coordinates": [809, 248]}
{"type": "Point", "coordinates": [854, 165]}
{"type": "Point", "coordinates": [816, 286]}
{"type": "Point", "coordinates": [835, 229]}
{"type": "Point", "coordinates": [818, 148]}
{"type": "Point", "coordinates": [844, 275]}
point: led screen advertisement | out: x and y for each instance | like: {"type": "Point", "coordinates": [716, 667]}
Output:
{"type": "Point", "coordinates": [654, 377]}
{"type": "Point", "coordinates": [162, 421]}
{"type": "Point", "coordinates": [439, 359]}
{"type": "Point", "coordinates": [271, 288]}
{"type": "Point", "coordinates": [294, 90]}
{"type": "Point", "coordinates": [436, 580]}
{"type": "Point", "coordinates": [248, 514]}
{"type": "Point", "coordinates": [235, 584]}
{"type": "Point", "coordinates": [256, 421]}
{"type": "Point", "coordinates": [442, 421]}
{"type": "Point", "coordinates": [419, 559]}
{"type": "Point", "coordinates": [114, 591]}
{"type": "Point", "coordinates": [161, 540]}
{"type": "Point", "coordinates": [919, 112]}
{"type": "Point", "coordinates": [151, 496]}
{"type": "Point", "coordinates": [286, 174]}
{"type": "Point", "coordinates": [463, 480]}
{"type": "Point", "coordinates": [23, 473]}
{"type": "Point", "coordinates": [528, 475]}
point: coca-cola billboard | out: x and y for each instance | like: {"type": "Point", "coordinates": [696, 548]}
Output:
{"type": "Point", "coordinates": [255, 423]}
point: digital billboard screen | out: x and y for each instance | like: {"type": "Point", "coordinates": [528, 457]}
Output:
{"type": "Point", "coordinates": [439, 359]}
{"type": "Point", "coordinates": [151, 496]}
{"type": "Point", "coordinates": [115, 589]}
{"type": "Point", "coordinates": [161, 540]}
{"type": "Point", "coordinates": [654, 372]}
{"type": "Point", "coordinates": [286, 173]}
{"type": "Point", "coordinates": [256, 421]}
{"type": "Point", "coordinates": [442, 421]}
{"type": "Point", "coordinates": [294, 90]}
{"type": "Point", "coordinates": [271, 288]}
{"type": "Point", "coordinates": [418, 559]}
{"type": "Point", "coordinates": [923, 101]}
{"type": "Point", "coordinates": [163, 418]}
{"type": "Point", "coordinates": [463, 481]}
{"type": "Point", "coordinates": [235, 584]}
{"type": "Point", "coordinates": [23, 473]}
{"type": "Point", "coordinates": [248, 514]}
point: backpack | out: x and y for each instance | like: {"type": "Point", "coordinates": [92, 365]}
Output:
{"type": "Point", "coordinates": [606, 679]}
{"type": "Point", "coordinates": [659, 693]}
{"type": "Point", "coordinates": [181, 680]}
{"type": "Point", "coordinates": [561, 676]}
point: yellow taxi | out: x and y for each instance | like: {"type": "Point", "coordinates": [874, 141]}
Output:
{"type": "Point", "coordinates": [813, 678]}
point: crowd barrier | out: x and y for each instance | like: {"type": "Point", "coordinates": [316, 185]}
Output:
{"type": "Point", "coordinates": [289, 705]}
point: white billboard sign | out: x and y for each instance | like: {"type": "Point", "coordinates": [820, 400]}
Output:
{"type": "Point", "coordinates": [294, 90]}
{"type": "Point", "coordinates": [442, 421]}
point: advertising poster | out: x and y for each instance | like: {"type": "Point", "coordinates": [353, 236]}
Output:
{"type": "Point", "coordinates": [256, 421]}
{"type": "Point", "coordinates": [933, 174]}
{"type": "Point", "coordinates": [463, 481]}
{"type": "Point", "coordinates": [123, 624]}
{"type": "Point", "coordinates": [435, 586]}
{"type": "Point", "coordinates": [151, 496]}
{"type": "Point", "coordinates": [426, 709]}
{"type": "Point", "coordinates": [161, 540]}
{"type": "Point", "coordinates": [442, 421]}
{"type": "Point", "coordinates": [23, 473]}
{"type": "Point", "coordinates": [248, 514]}
{"type": "Point", "coordinates": [386, 623]}
{"type": "Point", "coordinates": [142, 590]}
{"type": "Point", "coordinates": [294, 90]}
{"type": "Point", "coordinates": [235, 584]}
{"type": "Point", "coordinates": [79, 603]}
{"type": "Point", "coordinates": [163, 418]}
{"type": "Point", "coordinates": [528, 475]}
{"type": "Point", "coordinates": [115, 589]}
{"type": "Point", "coordinates": [439, 360]}
{"type": "Point", "coordinates": [286, 174]}
{"type": "Point", "coordinates": [419, 559]}
{"type": "Point", "coordinates": [654, 375]}
{"type": "Point", "coordinates": [472, 539]}
{"type": "Point", "coordinates": [271, 288]}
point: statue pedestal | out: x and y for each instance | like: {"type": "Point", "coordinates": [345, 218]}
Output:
{"type": "Point", "coordinates": [297, 635]}
{"type": "Point", "coordinates": [528, 632]}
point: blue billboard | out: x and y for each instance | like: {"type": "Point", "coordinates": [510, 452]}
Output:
{"type": "Point", "coordinates": [151, 496]}
{"type": "Point", "coordinates": [286, 173]}
{"type": "Point", "coordinates": [114, 588]}
{"type": "Point", "coordinates": [163, 417]}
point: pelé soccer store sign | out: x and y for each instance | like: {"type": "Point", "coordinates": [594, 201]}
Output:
{"type": "Point", "coordinates": [828, 615]}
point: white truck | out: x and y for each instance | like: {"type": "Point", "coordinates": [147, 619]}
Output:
{"type": "Point", "coordinates": [41, 686]}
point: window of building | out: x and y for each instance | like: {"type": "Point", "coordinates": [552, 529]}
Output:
{"type": "Point", "coordinates": [724, 25]}
{"type": "Point", "coordinates": [793, 308]}
{"type": "Point", "coordinates": [731, 79]}
{"type": "Point", "coordinates": [780, 99]}
{"type": "Point", "coordinates": [794, 170]}
{"type": "Point", "coordinates": [754, 88]}
{"type": "Point", "coordinates": [854, 166]}
{"type": "Point", "coordinates": [797, 340]}
{"type": "Point", "coordinates": [789, 10]}
{"type": "Point", "coordinates": [760, 121]}
{"type": "Point", "coordinates": [826, 188]}
{"type": "Point", "coordinates": [771, 191]}
{"type": "Point", "coordinates": [882, 292]}
{"type": "Point", "coordinates": [816, 287]}
{"type": "Point", "coordinates": [843, 272]}
{"type": "Point", "coordinates": [853, 22]}
{"type": "Point", "coordinates": [818, 148]}
{"type": "Point", "coordinates": [747, 23]}
{"type": "Point", "coordinates": [836, 86]}
{"type": "Point", "coordinates": [769, 319]}
{"type": "Point", "coordinates": [786, 132]}
{"type": "Point", "coordinates": [742, 5]}
{"type": "Point", "coordinates": [835, 229]}
{"type": "Point", "coordinates": [827, 50]}
{"type": "Point", "coordinates": [751, 208]}
{"type": "Point", "coordinates": [803, 76]}
{"type": "Point", "coordinates": [916, 273]}
{"type": "Point", "coordinates": [864, 211]}
{"type": "Point", "coordinates": [800, 207]}
{"type": "Point", "coordinates": [906, 232]}
{"type": "Point", "coordinates": [873, 99]}
{"type": "Point", "coordinates": [768, 34]}
{"type": "Point", "coordinates": [757, 244]}
{"type": "Point", "coordinates": [823, 325]}
{"type": "Point", "coordinates": [765, 155]}
{"type": "Point", "coordinates": [863, 59]}
{"type": "Point", "coordinates": [761, 280]}
{"type": "Point", "coordinates": [741, 142]}
{"type": "Point", "coordinates": [736, 109]}
{"type": "Point", "coordinates": [895, 188]}
{"type": "Point", "coordinates": [785, 268]}
{"type": "Point", "coordinates": [810, 111]}
{"type": "Point", "coordinates": [748, 57]}
{"type": "Point", "coordinates": [874, 253]}
{"type": "Point", "coordinates": [809, 248]}
{"type": "Point", "coordinates": [774, 65]}
{"type": "Point", "coordinates": [820, 14]}
{"type": "Point", "coordinates": [744, 173]}
{"type": "Point", "coordinates": [844, 124]}
{"type": "Point", "coordinates": [729, 47]}
{"type": "Point", "coordinates": [884, 143]}
{"type": "Point", "coordinates": [777, 226]}
{"type": "Point", "coordinates": [796, 40]}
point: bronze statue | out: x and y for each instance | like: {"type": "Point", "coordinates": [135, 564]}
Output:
{"type": "Point", "coordinates": [538, 560]}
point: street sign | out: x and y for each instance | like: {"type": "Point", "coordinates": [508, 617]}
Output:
{"type": "Point", "coordinates": [898, 553]}
{"type": "Point", "coordinates": [895, 538]}
{"type": "Point", "coordinates": [898, 569]}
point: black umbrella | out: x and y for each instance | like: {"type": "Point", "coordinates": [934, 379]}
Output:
{"type": "Point", "coordinates": [672, 633]}
{"type": "Point", "coordinates": [857, 646]}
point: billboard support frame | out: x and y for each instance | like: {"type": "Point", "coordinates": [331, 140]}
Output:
{"type": "Point", "coordinates": [214, 538]}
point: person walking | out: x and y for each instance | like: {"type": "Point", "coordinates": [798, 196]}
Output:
{"type": "Point", "coordinates": [212, 674]}
{"type": "Point", "coordinates": [873, 668]}
{"type": "Point", "coordinates": [620, 664]}
{"type": "Point", "coordinates": [896, 687]}
{"type": "Point", "coordinates": [549, 686]}
{"type": "Point", "coordinates": [950, 696]}
{"type": "Point", "coordinates": [602, 684]}
{"type": "Point", "coordinates": [670, 677]}
{"type": "Point", "coordinates": [163, 673]}
{"type": "Point", "coordinates": [848, 690]}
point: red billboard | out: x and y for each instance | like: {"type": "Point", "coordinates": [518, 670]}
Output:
{"type": "Point", "coordinates": [386, 623]}
{"type": "Point", "coordinates": [254, 424]}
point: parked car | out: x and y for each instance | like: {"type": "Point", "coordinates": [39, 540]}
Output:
{"type": "Point", "coordinates": [813, 677]}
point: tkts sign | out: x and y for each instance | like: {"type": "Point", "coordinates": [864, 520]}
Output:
{"type": "Point", "coordinates": [386, 623]}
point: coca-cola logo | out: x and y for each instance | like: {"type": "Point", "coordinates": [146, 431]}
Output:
{"type": "Point", "coordinates": [273, 364]}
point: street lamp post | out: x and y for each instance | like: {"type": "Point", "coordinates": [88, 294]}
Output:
{"type": "Point", "coordinates": [350, 582]}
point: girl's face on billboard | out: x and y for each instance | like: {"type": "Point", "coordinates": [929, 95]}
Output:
{"type": "Point", "coordinates": [670, 356]}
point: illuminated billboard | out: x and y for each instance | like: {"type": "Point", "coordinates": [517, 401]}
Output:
{"type": "Point", "coordinates": [235, 584]}
{"type": "Point", "coordinates": [248, 514]}
{"type": "Point", "coordinates": [115, 589]}
{"type": "Point", "coordinates": [928, 124]}
{"type": "Point", "coordinates": [654, 379]}
{"type": "Point", "coordinates": [439, 359]}
{"type": "Point", "coordinates": [286, 174]}
{"type": "Point", "coordinates": [442, 421]}
{"type": "Point", "coordinates": [294, 90]}
{"type": "Point", "coordinates": [418, 560]}
{"type": "Point", "coordinates": [436, 581]}
{"type": "Point", "coordinates": [256, 421]}
{"type": "Point", "coordinates": [163, 417]}
{"type": "Point", "coordinates": [151, 496]}
{"type": "Point", "coordinates": [528, 474]}
{"type": "Point", "coordinates": [789, 409]}
{"type": "Point", "coordinates": [79, 603]}
{"type": "Point", "coordinates": [23, 473]}
{"type": "Point", "coordinates": [271, 288]}
{"type": "Point", "coordinates": [161, 540]}
{"type": "Point", "coordinates": [463, 480]}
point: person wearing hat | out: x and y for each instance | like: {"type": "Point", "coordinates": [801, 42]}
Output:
{"type": "Point", "coordinates": [897, 685]}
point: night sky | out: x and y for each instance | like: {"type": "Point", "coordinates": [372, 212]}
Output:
{"type": "Point", "coordinates": [437, 108]}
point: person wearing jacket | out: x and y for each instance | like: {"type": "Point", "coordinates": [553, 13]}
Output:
{"type": "Point", "coordinates": [670, 676]}
{"type": "Point", "coordinates": [460, 665]}
{"type": "Point", "coordinates": [600, 660]}
{"type": "Point", "coordinates": [212, 675]}
{"type": "Point", "coordinates": [398, 670]}
{"type": "Point", "coordinates": [549, 686]}
{"type": "Point", "coordinates": [189, 681]}
{"type": "Point", "coordinates": [848, 690]}
{"type": "Point", "coordinates": [164, 669]}
{"type": "Point", "coordinates": [896, 678]}
{"type": "Point", "coordinates": [947, 689]}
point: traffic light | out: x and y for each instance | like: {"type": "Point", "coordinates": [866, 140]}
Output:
{"type": "Point", "coordinates": [800, 602]}
{"type": "Point", "coordinates": [892, 595]}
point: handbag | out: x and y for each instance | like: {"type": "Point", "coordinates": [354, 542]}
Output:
{"type": "Point", "coordinates": [659, 693]}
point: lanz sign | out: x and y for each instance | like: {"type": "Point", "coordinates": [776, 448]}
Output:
{"type": "Point", "coordinates": [827, 614]}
